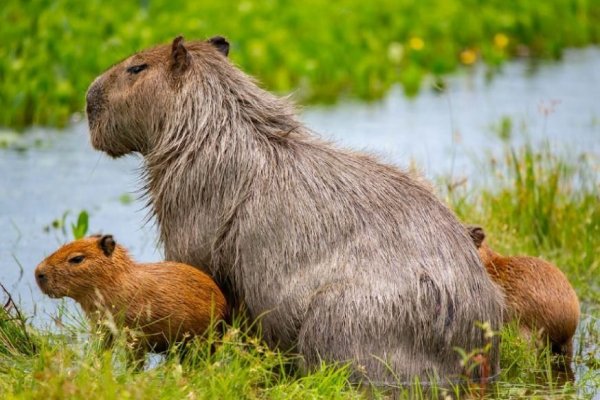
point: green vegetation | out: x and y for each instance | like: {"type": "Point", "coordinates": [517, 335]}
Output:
{"type": "Point", "coordinates": [79, 228]}
{"type": "Point", "coordinates": [73, 364]}
{"type": "Point", "coordinates": [50, 51]}
{"type": "Point", "coordinates": [126, 199]}
{"type": "Point", "coordinates": [539, 204]}
{"type": "Point", "coordinates": [536, 203]}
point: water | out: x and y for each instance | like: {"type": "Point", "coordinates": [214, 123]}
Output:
{"type": "Point", "coordinates": [558, 103]}
{"type": "Point", "coordinates": [442, 133]}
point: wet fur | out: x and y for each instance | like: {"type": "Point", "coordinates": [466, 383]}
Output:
{"type": "Point", "coordinates": [343, 257]}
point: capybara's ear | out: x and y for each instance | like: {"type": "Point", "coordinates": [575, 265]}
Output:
{"type": "Point", "coordinates": [180, 57]}
{"type": "Point", "coordinates": [107, 245]}
{"type": "Point", "coordinates": [220, 44]}
{"type": "Point", "coordinates": [477, 234]}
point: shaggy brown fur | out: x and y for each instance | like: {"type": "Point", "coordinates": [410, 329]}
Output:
{"type": "Point", "coordinates": [343, 257]}
{"type": "Point", "coordinates": [537, 293]}
{"type": "Point", "coordinates": [168, 302]}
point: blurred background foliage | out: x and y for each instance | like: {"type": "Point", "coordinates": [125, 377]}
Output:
{"type": "Point", "coordinates": [50, 51]}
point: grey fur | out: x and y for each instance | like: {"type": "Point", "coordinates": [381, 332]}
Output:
{"type": "Point", "coordinates": [344, 257]}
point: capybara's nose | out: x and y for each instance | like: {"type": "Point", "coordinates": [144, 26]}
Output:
{"type": "Point", "coordinates": [41, 278]}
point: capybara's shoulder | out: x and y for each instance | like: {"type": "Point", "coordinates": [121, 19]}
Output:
{"type": "Point", "coordinates": [176, 274]}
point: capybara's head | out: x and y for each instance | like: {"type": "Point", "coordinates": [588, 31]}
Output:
{"type": "Point", "coordinates": [77, 268]}
{"type": "Point", "coordinates": [136, 99]}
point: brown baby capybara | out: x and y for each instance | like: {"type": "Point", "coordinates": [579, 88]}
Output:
{"type": "Point", "coordinates": [341, 256]}
{"type": "Point", "coordinates": [168, 302]}
{"type": "Point", "coordinates": [537, 294]}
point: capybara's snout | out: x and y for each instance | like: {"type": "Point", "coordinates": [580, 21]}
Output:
{"type": "Point", "coordinates": [41, 277]}
{"type": "Point", "coordinates": [44, 281]}
{"type": "Point", "coordinates": [94, 101]}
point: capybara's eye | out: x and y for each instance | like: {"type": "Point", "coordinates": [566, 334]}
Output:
{"type": "Point", "coordinates": [76, 259]}
{"type": "Point", "coordinates": [136, 69]}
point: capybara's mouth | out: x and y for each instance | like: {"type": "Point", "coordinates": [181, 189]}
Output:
{"type": "Point", "coordinates": [112, 153]}
{"type": "Point", "coordinates": [52, 294]}
{"type": "Point", "coordinates": [46, 289]}
{"type": "Point", "coordinates": [92, 111]}
{"type": "Point", "coordinates": [96, 138]}
{"type": "Point", "coordinates": [97, 143]}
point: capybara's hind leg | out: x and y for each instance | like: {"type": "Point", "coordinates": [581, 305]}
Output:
{"type": "Point", "coordinates": [346, 324]}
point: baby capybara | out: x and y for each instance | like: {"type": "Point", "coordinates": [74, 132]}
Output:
{"type": "Point", "coordinates": [167, 301]}
{"type": "Point", "coordinates": [537, 293]}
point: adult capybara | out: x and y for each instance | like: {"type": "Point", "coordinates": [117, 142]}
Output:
{"type": "Point", "coordinates": [537, 294]}
{"type": "Point", "coordinates": [343, 257]}
{"type": "Point", "coordinates": [167, 301]}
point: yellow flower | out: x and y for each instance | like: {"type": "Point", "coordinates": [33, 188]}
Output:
{"type": "Point", "coordinates": [416, 43]}
{"type": "Point", "coordinates": [501, 40]}
{"type": "Point", "coordinates": [468, 56]}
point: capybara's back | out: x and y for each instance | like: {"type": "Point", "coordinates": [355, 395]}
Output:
{"type": "Point", "coordinates": [172, 302]}
{"type": "Point", "coordinates": [167, 301]}
{"type": "Point", "coordinates": [342, 257]}
{"type": "Point", "coordinates": [538, 294]}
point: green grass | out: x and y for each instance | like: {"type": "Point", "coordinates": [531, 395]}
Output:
{"type": "Point", "coordinates": [51, 50]}
{"type": "Point", "coordinates": [534, 203]}
{"type": "Point", "coordinates": [539, 204]}
{"type": "Point", "coordinates": [73, 364]}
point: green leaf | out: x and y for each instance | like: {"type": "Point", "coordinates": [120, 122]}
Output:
{"type": "Point", "coordinates": [80, 229]}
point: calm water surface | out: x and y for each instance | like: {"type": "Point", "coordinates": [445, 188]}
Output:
{"type": "Point", "coordinates": [444, 134]}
